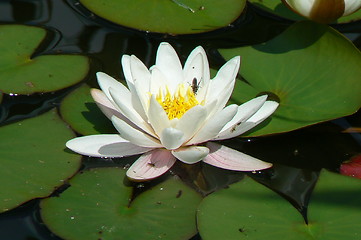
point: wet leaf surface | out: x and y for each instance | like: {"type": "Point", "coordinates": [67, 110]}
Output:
{"type": "Point", "coordinates": [24, 71]}
{"type": "Point", "coordinates": [168, 16]}
{"type": "Point", "coordinates": [248, 210]}
{"type": "Point", "coordinates": [34, 159]}
{"type": "Point", "coordinates": [301, 67]}
{"type": "Point", "coordinates": [96, 205]}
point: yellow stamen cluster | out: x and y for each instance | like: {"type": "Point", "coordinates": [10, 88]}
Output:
{"type": "Point", "coordinates": [182, 100]}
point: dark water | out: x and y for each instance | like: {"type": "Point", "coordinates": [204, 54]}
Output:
{"type": "Point", "coordinates": [298, 156]}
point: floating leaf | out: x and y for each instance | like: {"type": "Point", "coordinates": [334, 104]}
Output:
{"type": "Point", "coordinates": [356, 16]}
{"type": "Point", "coordinates": [168, 16]}
{"type": "Point", "coordinates": [249, 210]}
{"type": "Point", "coordinates": [33, 159]}
{"type": "Point", "coordinates": [314, 71]}
{"type": "Point", "coordinates": [80, 111]}
{"type": "Point", "coordinates": [22, 73]}
{"type": "Point", "coordinates": [96, 206]}
{"type": "Point", "coordinates": [278, 8]}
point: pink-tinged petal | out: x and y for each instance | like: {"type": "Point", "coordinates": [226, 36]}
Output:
{"type": "Point", "coordinates": [129, 112]}
{"type": "Point", "coordinates": [105, 145]}
{"type": "Point", "coordinates": [191, 154]}
{"type": "Point", "coordinates": [352, 168]}
{"type": "Point", "coordinates": [172, 138]}
{"type": "Point", "coordinates": [104, 104]}
{"type": "Point", "coordinates": [228, 158]}
{"type": "Point", "coordinates": [168, 63]}
{"type": "Point", "coordinates": [157, 117]}
{"type": "Point", "coordinates": [151, 165]}
{"type": "Point", "coordinates": [134, 135]}
{"type": "Point", "coordinates": [264, 112]}
{"type": "Point", "coordinates": [108, 108]}
{"type": "Point", "coordinates": [212, 127]}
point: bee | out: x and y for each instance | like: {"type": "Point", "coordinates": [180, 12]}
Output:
{"type": "Point", "coordinates": [195, 85]}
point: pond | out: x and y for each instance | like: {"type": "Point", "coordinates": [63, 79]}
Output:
{"type": "Point", "coordinates": [51, 52]}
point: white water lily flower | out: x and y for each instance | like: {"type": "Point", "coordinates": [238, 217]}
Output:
{"type": "Point", "coordinates": [323, 11]}
{"type": "Point", "coordinates": [170, 113]}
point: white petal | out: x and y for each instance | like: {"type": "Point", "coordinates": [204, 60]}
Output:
{"type": "Point", "coordinates": [106, 82]}
{"type": "Point", "coordinates": [245, 111]}
{"type": "Point", "coordinates": [139, 72]}
{"type": "Point", "coordinates": [264, 112]}
{"type": "Point", "coordinates": [221, 86]}
{"type": "Point", "coordinates": [126, 71]}
{"type": "Point", "coordinates": [193, 63]}
{"type": "Point", "coordinates": [157, 116]}
{"type": "Point", "coordinates": [158, 81]}
{"type": "Point", "coordinates": [129, 112]}
{"type": "Point", "coordinates": [105, 145]}
{"type": "Point", "coordinates": [304, 7]}
{"type": "Point", "coordinates": [151, 165]}
{"type": "Point", "coordinates": [133, 135]}
{"type": "Point", "coordinates": [141, 79]}
{"type": "Point", "coordinates": [191, 154]}
{"type": "Point", "coordinates": [214, 125]}
{"type": "Point", "coordinates": [228, 158]}
{"type": "Point", "coordinates": [172, 138]}
{"type": "Point", "coordinates": [135, 98]}
{"type": "Point", "coordinates": [141, 76]}
{"type": "Point", "coordinates": [202, 83]}
{"type": "Point", "coordinates": [196, 72]}
{"type": "Point", "coordinates": [168, 63]}
{"type": "Point", "coordinates": [351, 6]}
{"type": "Point", "coordinates": [192, 121]}
{"type": "Point", "coordinates": [104, 104]}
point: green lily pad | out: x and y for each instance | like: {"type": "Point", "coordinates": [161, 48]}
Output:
{"type": "Point", "coordinates": [356, 16]}
{"type": "Point", "coordinates": [96, 206]}
{"type": "Point", "coordinates": [278, 8]}
{"type": "Point", "coordinates": [80, 111]}
{"type": "Point", "coordinates": [33, 159]}
{"type": "Point", "coordinates": [302, 67]}
{"type": "Point", "coordinates": [168, 16]}
{"type": "Point", "coordinates": [21, 72]}
{"type": "Point", "coordinates": [249, 210]}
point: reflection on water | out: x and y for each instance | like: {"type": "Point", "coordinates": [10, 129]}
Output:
{"type": "Point", "coordinates": [298, 156]}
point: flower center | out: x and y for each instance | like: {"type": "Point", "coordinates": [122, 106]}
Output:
{"type": "Point", "coordinates": [182, 100]}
